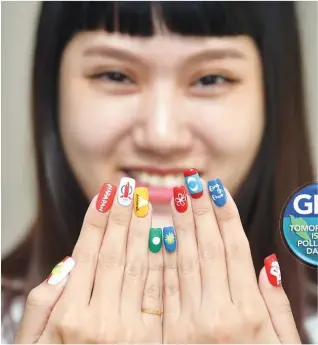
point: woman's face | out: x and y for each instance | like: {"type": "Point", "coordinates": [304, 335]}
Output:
{"type": "Point", "coordinates": [152, 107]}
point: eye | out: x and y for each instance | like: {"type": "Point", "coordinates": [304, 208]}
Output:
{"type": "Point", "coordinates": [211, 79]}
{"type": "Point", "coordinates": [113, 76]}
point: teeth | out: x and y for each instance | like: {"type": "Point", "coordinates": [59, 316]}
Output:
{"type": "Point", "coordinates": [168, 181]}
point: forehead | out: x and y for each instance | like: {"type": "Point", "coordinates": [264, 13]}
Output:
{"type": "Point", "coordinates": [163, 46]}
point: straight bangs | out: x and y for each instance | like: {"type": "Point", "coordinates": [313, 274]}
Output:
{"type": "Point", "coordinates": [188, 18]}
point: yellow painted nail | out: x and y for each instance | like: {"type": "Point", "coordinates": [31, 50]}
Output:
{"type": "Point", "coordinates": [141, 201]}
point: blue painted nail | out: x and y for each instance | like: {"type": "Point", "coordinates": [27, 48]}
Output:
{"type": "Point", "coordinates": [217, 192]}
{"type": "Point", "coordinates": [193, 182]}
{"type": "Point", "coordinates": [169, 238]}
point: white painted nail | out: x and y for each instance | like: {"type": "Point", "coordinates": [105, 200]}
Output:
{"type": "Point", "coordinates": [61, 271]}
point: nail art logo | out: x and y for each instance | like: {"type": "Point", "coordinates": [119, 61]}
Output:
{"type": "Point", "coordinates": [217, 192]}
{"type": "Point", "coordinates": [126, 191]}
{"type": "Point", "coordinates": [299, 224]}
{"type": "Point", "coordinates": [155, 240]}
{"type": "Point", "coordinates": [141, 202]}
{"type": "Point", "coordinates": [275, 271]}
{"type": "Point", "coordinates": [169, 238]}
{"type": "Point", "coordinates": [106, 197]}
{"type": "Point", "coordinates": [180, 199]}
{"type": "Point", "coordinates": [193, 183]}
{"type": "Point", "coordinates": [60, 271]}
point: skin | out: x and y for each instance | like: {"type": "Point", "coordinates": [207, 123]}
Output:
{"type": "Point", "coordinates": [208, 287]}
{"type": "Point", "coordinates": [164, 116]}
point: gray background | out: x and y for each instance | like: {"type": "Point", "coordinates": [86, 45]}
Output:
{"type": "Point", "coordinates": [18, 181]}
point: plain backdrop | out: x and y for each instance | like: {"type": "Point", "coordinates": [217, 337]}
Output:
{"type": "Point", "coordinates": [18, 181]}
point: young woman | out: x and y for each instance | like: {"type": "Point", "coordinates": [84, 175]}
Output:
{"type": "Point", "coordinates": [147, 91]}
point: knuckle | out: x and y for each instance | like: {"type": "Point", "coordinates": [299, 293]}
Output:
{"type": "Point", "coordinates": [93, 222]}
{"type": "Point", "coordinates": [201, 211]}
{"type": "Point", "coordinates": [229, 214]}
{"type": "Point", "coordinates": [188, 266]}
{"type": "Point", "coordinates": [237, 250]}
{"type": "Point", "coordinates": [119, 219]}
{"type": "Point", "coordinates": [37, 299]}
{"type": "Point", "coordinates": [253, 318]}
{"type": "Point", "coordinates": [67, 325]}
{"type": "Point", "coordinates": [212, 250]}
{"type": "Point", "coordinates": [135, 270]}
{"type": "Point", "coordinates": [184, 223]}
{"type": "Point", "coordinates": [171, 289]}
{"type": "Point", "coordinates": [110, 259]}
{"type": "Point", "coordinates": [221, 333]}
{"type": "Point", "coordinates": [85, 255]}
{"type": "Point", "coordinates": [153, 291]}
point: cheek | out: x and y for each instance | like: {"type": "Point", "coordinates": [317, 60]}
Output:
{"type": "Point", "coordinates": [234, 124]}
{"type": "Point", "coordinates": [92, 122]}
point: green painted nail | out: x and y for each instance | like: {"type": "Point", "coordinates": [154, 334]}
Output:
{"type": "Point", "coordinates": [155, 240]}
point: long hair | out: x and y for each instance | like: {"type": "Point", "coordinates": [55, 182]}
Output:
{"type": "Point", "coordinates": [282, 163]}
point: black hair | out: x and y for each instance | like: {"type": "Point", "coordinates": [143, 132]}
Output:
{"type": "Point", "coordinates": [273, 176]}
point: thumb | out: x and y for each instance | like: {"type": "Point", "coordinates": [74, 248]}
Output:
{"type": "Point", "coordinates": [40, 302]}
{"type": "Point", "coordinates": [277, 302]}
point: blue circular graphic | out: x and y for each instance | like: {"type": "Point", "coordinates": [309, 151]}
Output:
{"type": "Point", "coordinates": [299, 224]}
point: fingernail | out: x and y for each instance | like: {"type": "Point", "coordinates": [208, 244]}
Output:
{"type": "Point", "coordinates": [169, 238]}
{"type": "Point", "coordinates": [273, 270]}
{"type": "Point", "coordinates": [105, 197]}
{"type": "Point", "coordinates": [193, 182]}
{"type": "Point", "coordinates": [61, 271]}
{"type": "Point", "coordinates": [141, 201]}
{"type": "Point", "coordinates": [126, 191]}
{"type": "Point", "coordinates": [217, 192]}
{"type": "Point", "coordinates": [180, 199]}
{"type": "Point", "coordinates": [155, 240]}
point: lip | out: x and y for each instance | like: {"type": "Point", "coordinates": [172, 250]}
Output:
{"type": "Point", "coordinates": [157, 195]}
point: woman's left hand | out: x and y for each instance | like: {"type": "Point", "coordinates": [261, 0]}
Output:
{"type": "Point", "coordinates": [211, 294]}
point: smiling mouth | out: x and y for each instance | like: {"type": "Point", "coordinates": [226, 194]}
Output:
{"type": "Point", "coordinates": [160, 183]}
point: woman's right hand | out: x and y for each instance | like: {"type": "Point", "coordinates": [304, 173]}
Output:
{"type": "Point", "coordinates": [113, 278]}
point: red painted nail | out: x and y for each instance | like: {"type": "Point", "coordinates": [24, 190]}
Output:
{"type": "Point", "coordinates": [180, 199]}
{"type": "Point", "coordinates": [106, 197]}
{"type": "Point", "coordinates": [273, 270]}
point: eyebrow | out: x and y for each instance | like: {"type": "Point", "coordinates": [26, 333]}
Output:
{"type": "Point", "coordinates": [218, 54]}
{"type": "Point", "coordinates": [104, 51]}
{"type": "Point", "coordinates": [212, 54]}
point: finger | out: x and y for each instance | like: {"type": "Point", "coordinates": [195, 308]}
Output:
{"type": "Point", "coordinates": [215, 286]}
{"type": "Point", "coordinates": [277, 302]}
{"type": "Point", "coordinates": [171, 292]}
{"type": "Point", "coordinates": [136, 267]}
{"type": "Point", "coordinates": [39, 304]}
{"type": "Point", "coordinates": [85, 254]}
{"type": "Point", "coordinates": [152, 298]}
{"type": "Point", "coordinates": [241, 273]}
{"type": "Point", "coordinates": [111, 259]}
{"type": "Point", "coordinates": [187, 255]}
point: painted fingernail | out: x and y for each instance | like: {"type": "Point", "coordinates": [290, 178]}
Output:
{"type": "Point", "coordinates": [155, 240]}
{"type": "Point", "coordinates": [180, 199]}
{"type": "Point", "coordinates": [105, 197]}
{"type": "Point", "coordinates": [193, 182]}
{"type": "Point", "coordinates": [126, 191]}
{"type": "Point", "coordinates": [61, 271]}
{"type": "Point", "coordinates": [273, 270]}
{"type": "Point", "coordinates": [217, 192]}
{"type": "Point", "coordinates": [141, 201]}
{"type": "Point", "coordinates": [169, 238]}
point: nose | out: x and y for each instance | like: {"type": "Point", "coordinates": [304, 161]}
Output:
{"type": "Point", "coordinates": [161, 127]}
